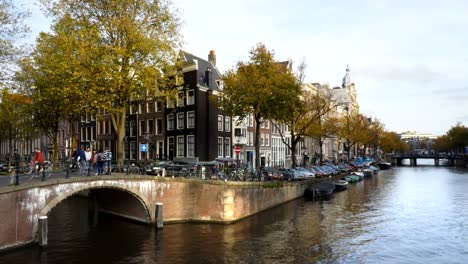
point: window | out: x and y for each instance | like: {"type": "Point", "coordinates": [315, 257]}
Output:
{"type": "Point", "coordinates": [180, 146]}
{"type": "Point", "coordinates": [149, 107]}
{"type": "Point", "coordinates": [250, 123]}
{"type": "Point", "coordinates": [159, 126]}
{"type": "Point", "coordinates": [190, 146]}
{"type": "Point", "coordinates": [142, 127]}
{"type": "Point", "coordinates": [132, 128]}
{"type": "Point", "coordinates": [267, 124]}
{"type": "Point", "coordinates": [170, 122]}
{"type": "Point", "coordinates": [220, 146]}
{"type": "Point", "coordinates": [141, 108]}
{"type": "Point", "coordinates": [220, 123]}
{"type": "Point", "coordinates": [171, 102]}
{"type": "Point", "coordinates": [237, 132]}
{"type": "Point", "coordinates": [227, 147]}
{"type": "Point", "coordinates": [261, 139]}
{"type": "Point", "coordinates": [132, 109]}
{"type": "Point", "coordinates": [159, 106]}
{"type": "Point", "coordinates": [267, 140]}
{"type": "Point", "coordinates": [83, 118]}
{"type": "Point", "coordinates": [190, 97]}
{"type": "Point", "coordinates": [180, 120]}
{"type": "Point", "coordinates": [191, 119]}
{"type": "Point", "coordinates": [133, 148]}
{"type": "Point", "coordinates": [180, 99]}
{"type": "Point", "coordinates": [250, 138]}
{"type": "Point", "coordinates": [150, 126]}
{"type": "Point", "coordinates": [227, 124]}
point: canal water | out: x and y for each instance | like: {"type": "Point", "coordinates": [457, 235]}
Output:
{"type": "Point", "coordinates": [403, 215]}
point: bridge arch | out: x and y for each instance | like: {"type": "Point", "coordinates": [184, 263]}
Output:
{"type": "Point", "coordinates": [62, 197]}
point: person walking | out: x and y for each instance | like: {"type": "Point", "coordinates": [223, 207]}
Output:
{"type": "Point", "coordinates": [81, 159]}
{"type": "Point", "coordinates": [38, 159]}
{"type": "Point", "coordinates": [89, 156]}
{"type": "Point", "coordinates": [99, 162]}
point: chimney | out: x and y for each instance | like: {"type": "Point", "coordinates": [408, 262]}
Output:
{"type": "Point", "coordinates": [212, 57]}
{"type": "Point", "coordinates": [207, 77]}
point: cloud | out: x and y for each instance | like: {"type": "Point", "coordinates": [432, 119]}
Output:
{"type": "Point", "coordinates": [452, 95]}
{"type": "Point", "coordinates": [411, 73]}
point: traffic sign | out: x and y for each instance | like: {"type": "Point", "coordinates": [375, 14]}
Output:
{"type": "Point", "coordinates": [143, 147]}
{"type": "Point", "coordinates": [237, 149]}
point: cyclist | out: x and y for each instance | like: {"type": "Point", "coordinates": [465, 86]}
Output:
{"type": "Point", "coordinates": [38, 158]}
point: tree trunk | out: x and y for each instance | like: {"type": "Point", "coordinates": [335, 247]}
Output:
{"type": "Point", "coordinates": [73, 143]}
{"type": "Point", "coordinates": [293, 148]}
{"type": "Point", "coordinates": [321, 151]}
{"type": "Point", "coordinates": [257, 140]}
{"type": "Point", "coordinates": [120, 133]}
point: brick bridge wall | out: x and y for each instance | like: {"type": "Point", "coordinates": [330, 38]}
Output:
{"type": "Point", "coordinates": [135, 197]}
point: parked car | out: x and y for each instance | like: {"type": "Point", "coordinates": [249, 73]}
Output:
{"type": "Point", "coordinates": [307, 173]}
{"type": "Point", "coordinates": [270, 173]}
{"type": "Point", "coordinates": [156, 168]}
{"type": "Point", "coordinates": [291, 174]}
{"type": "Point", "coordinates": [319, 173]}
{"type": "Point", "coordinates": [3, 167]}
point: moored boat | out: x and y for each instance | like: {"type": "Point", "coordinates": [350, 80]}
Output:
{"type": "Point", "coordinates": [367, 172]}
{"type": "Point", "coordinates": [340, 185]}
{"type": "Point", "coordinates": [384, 165]}
{"type": "Point", "coordinates": [321, 189]}
{"type": "Point", "coordinates": [352, 178]}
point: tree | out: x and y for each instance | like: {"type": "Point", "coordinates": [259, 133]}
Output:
{"type": "Point", "coordinates": [390, 142]}
{"type": "Point", "coordinates": [351, 128]}
{"type": "Point", "coordinates": [372, 135]}
{"type": "Point", "coordinates": [260, 87]}
{"type": "Point", "coordinates": [458, 138]}
{"type": "Point", "coordinates": [11, 29]}
{"type": "Point", "coordinates": [53, 76]}
{"type": "Point", "coordinates": [132, 52]}
{"type": "Point", "coordinates": [16, 123]}
{"type": "Point", "coordinates": [318, 123]}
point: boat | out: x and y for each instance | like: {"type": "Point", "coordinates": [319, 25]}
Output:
{"type": "Point", "coordinates": [384, 165]}
{"type": "Point", "coordinates": [368, 172]}
{"type": "Point", "coordinates": [358, 173]}
{"type": "Point", "coordinates": [340, 185]}
{"type": "Point", "coordinates": [321, 190]}
{"type": "Point", "coordinates": [352, 178]}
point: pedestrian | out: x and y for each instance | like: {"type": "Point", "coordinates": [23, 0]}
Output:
{"type": "Point", "coordinates": [38, 159]}
{"type": "Point", "coordinates": [89, 156]}
{"type": "Point", "coordinates": [99, 162]}
{"type": "Point", "coordinates": [93, 161]}
{"type": "Point", "coordinates": [107, 157]}
{"type": "Point", "coordinates": [80, 159]}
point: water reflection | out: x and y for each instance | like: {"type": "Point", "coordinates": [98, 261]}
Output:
{"type": "Point", "coordinates": [406, 215]}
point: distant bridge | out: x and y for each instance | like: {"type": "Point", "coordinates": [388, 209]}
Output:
{"type": "Point", "coordinates": [452, 160]}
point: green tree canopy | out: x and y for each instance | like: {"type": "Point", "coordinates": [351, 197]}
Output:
{"type": "Point", "coordinates": [11, 29]}
{"type": "Point", "coordinates": [120, 51]}
{"type": "Point", "coordinates": [391, 141]}
{"type": "Point", "coordinates": [260, 87]}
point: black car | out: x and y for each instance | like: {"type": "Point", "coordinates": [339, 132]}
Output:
{"type": "Point", "coordinates": [3, 167]}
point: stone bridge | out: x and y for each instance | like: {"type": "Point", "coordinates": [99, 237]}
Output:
{"type": "Point", "coordinates": [135, 197]}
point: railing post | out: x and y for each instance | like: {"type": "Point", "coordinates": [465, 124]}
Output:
{"type": "Point", "coordinates": [159, 215]}
{"type": "Point", "coordinates": [68, 170]}
{"type": "Point", "coordinates": [17, 175]}
{"type": "Point", "coordinates": [43, 230]}
{"type": "Point", "coordinates": [43, 173]}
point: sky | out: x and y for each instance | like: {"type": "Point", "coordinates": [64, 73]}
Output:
{"type": "Point", "coordinates": [408, 59]}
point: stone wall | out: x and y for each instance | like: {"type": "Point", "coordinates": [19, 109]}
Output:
{"type": "Point", "coordinates": [135, 197]}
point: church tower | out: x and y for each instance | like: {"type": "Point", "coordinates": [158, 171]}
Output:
{"type": "Point", "coordinates": [350, 89]}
